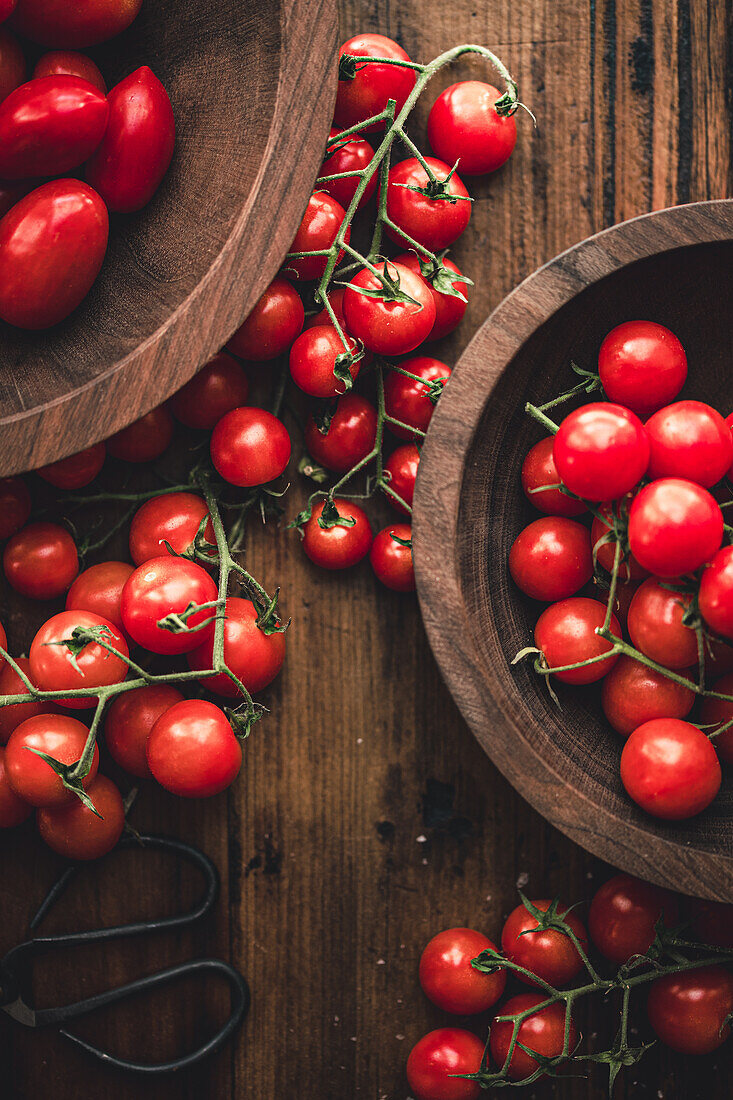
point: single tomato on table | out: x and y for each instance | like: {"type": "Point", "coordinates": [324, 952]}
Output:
{"type": "Point", "coordinates": [448, 979]}
{"type": "Point", "coordinates": [317, 232]}
{"type": "Point", "coordinates": [411, 401]}
{"type": "Point", "coordinates": [192, 750]}
{"type": "Point", "coordinates": [397, 321]}
{"type": "Point", "coordinates": [77, 470]}
{"type": "Point", "coordinates": [14, 810]}
{"type": "Point", "coordinates": [341, 546]}
{"type": "Point", "coordinates": [400, 471]}
{"type": "Point", "coordinates": [99, 589]}
{"type": "Point", "coordinates": [365, 88]}
{"type": "Point", "coordinates": [316, 356]}
{"type": "Point", "coordinates": [690, 1012]}
{"type": "Point", "coordinates": [437, 1060]}
{"type": "Point", "coordinates": [76, 832]}
{"type": "Point", "coordinates": [60, 662]}
{"type": "Point", "coordinates": [253, 656]}
{"type": "Point", "coordinates": [623, 916]}
{"type": "Point", "coordinates": [391, 557]}
{"type": "Point", "coordinates": [426, 209]}
{"type": "Point", "coordinates": [41, 561]}
{"type": "Point", "coordinates": [30, 776]}
{"type": "Point", "coordinates": [548, 953]}
{"type": "Point", "coordinates": [542, 1032]}
{"type": "Point", "coordinates": [250, 446]}
{"type": "Point", "coordinates": [271, 327]}
{"type": "Point", "coordinates": [450, 296]}
{"type": "Point", "coordinates": [169, 520]}
{"type": "Point", "coordinates": [464, 126]}
{"type": "Point", "coordinates": [145, 439]}
{"type": "Point", "coordinates": [350, 435]}
{"type": "Point", "coordinates": [349, 154]}
{"type": "Point", "coordinates": [62, 25]}
{"type": "Point", "coordinates": [164, 589]}
{"type": "Point", "coordinates": [70, 63]}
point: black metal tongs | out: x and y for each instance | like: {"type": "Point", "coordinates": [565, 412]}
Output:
{"type": "Point", "coordinates": [15, 966]}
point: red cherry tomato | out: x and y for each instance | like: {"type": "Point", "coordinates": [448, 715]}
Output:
{"type": "Point", "coordinates": [219, 387]}
{"type": "Point", "coordinates": [128, 167]}
{"type": "Point", "coordinates": [41, 561]}
{"type": "Point", "coordinates": [409, 401]}
{"type": "Point", "coordinates": [449, 309]}
{"type": "Point", "coordinates": [729, 422]}
{"type": "Point", "coordinates": [543, 1032]}
{"type": "Point", "coordinates": [623, 916]}
{"type": "Point", "coordinates": [69, 63]}
{"type": "Point", "coordinates": [367, 90]}
{"type": "Point", "coordinates": [49, 126]}
{"type": "Point", "coordinates": [538, 471]}
{"type": "Point", "coordinates": [318, 229]}
{"type": "Point", "coordinates": [29, 775]}
{"type": "Point", "coordinates": [271, 327]}
{"type": "Point", "coordinates": [656, 627]}
{"type": "Point", "coordinates": [391, 561]}
{"type": "Point", "coordinates": [633, 694]}
{"type": "Point", "coordinates": [313, 359]}
{"type": "Point", "coordinates": [670, 769]}
{"type": "Point", "coordinates": [464, 126]}
{"type": "Point", "coordinates": [338, 547]}
{"type": "Point", "coordinates": [192, 750]}
{"type": "Point", "coordinates": [401, 472]}
{"type": "Point", "coordinates": [689, 1011]}
{"type": "Point", "coordinates": [601, 451]}
{"type": "Point", "coordinates": [675, 527]}
{"type": "Point", "coordinates": [336, 300]}
{"type": "Point", "coordinates": [145, 439]}
{"type": "Point", "coordinates": [254, 657]}
{"type": "Point", "coordinates": [642, 365]}
{"type": "Point", "coordinates": [250, 446]}
{"type": "Point", "coordinates": [162, 587]}
{"type": "Point", "coordinates": [566, 633]}
{"type": "Point", "coordinates": [99, 589]}
{"type": "Point", "coordinates": [350, 436]}
{"type": "Point", "coordinates": [605, 552]}
{"type": "Point", "coordinates": [15, 505]}
{"type": "Point", "coordinates": [437, 1059]}
{"type": "Point", "coordinates": [172, 518]}
{"type": "Point", "coordinates": [75, 832]}
{"type": "Point", "coordinates": [13, 714]}
{"type": "Point", "coordinates": [77, 470]}
{"type": "Point", "coordinates": [129, 720]}
{"type": "Point", "coordinates": [425, 215]}
{"type": "Point", "coordinates": [59, 24]}
{"type": "Point", "coordinates": [448, 979]}
{"type": "Point", "coordinates": [14, 810]}
{"type": "Point", "coordinates": [689, 440]}
{"type": "Point", "coordinates": [52, 245]}
{"type": "Point", "coordinates": [389, 327]}
{"type": "Point", "coordinates": [57, 667]}
{"type": "Point", "coordinates": [12, 63]}
{"type": "Point", "coordinates": [548, 953]}
{"type": "Point", "coordinates": [350, 154]}
{"type": "Point", "coordinates": [712, 922]}
{"type": "Point", "coordinates": [551, 558]}
{"type": "Point", "coordinates": [716, 593]}
{"type": "Point", "coordinates": [714, 713]}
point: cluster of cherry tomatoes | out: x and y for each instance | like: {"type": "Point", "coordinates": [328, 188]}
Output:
{"type": "Point", "coordinates": [53, 235]}
{"type": "Point", "coordinates": [652, 471]}
{"type": "Point", "coordinates": [688, 1009]}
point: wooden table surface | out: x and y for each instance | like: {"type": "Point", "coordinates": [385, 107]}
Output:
{"type": "Point", "coordinates": [366, 818]}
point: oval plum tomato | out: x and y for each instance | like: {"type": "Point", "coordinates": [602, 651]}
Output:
{"type": "Point", "coordinates": [543, 1032]}
{"type": "Point", "coordinates": [75, 832]}
{"type": "Point", "coordinates": [387, 325]}
{"type": "Point", "coordinates": [77, 470]}
{"type": "Point", "coordinates": [448, 979]}
{"type": "Point", "coordinates": [218, 388]}
{"type": "Point", "coordinates": [58, 667]}
{"type": "Point", "coordinates": [99, 589]}
{"type": "Point", "coordinates": [539, 470]}
{"type": "Point", "coordinates": [401, 472]}
{"type": "Point", "coordinates": [690, 1011]}
{"type": "Point", "coordinates": [670, 769]}
{"type": "Point", "coordinates": [675, 527]}
{"type": "Point", "coordinates": [566, 633]}
{"type": "Point", "coordinates": [12, 715]}
{"type": "Point", "coordinates": [145, 439]}
{"type": "Point", "coordinates": [49, 126]}
{"type": "Point", "coordinates": [623, 916]}
{"type": "Point", "coordinates": [410, 401]}
{"type": "Point", "coordinates": [317, 231]}
{"type": "Point", "coordinates": [633, 693]}
{"type": "Point", "coordinates": [642, 366]}
{"type": "Point", "coordinates": [192, 750]}
{"type": "Point", "coordinates": [391, 560]}
{"type": "Point", "coordinates": [656, 626]}
{"type": "Point", "coordinates": [12, 64]}
{"type": "Point", "coordinates": [430, 210]}
{"type": "Point", "coordinates": [449, 307]}
{"type": "Point", "coordinates": [605, 552]}
{"type": "Point", "coordinates": [271, 327]}
{"type": "Point", "coordinates": [14, 810]}
{"type": "Point", "coordinates": [69, 63]}
{"type": "Point", "coordinates": [52, 245]}
{"type": "Point", "coordinates": [437, 1059]}
{"type": "Point", "coordinates": [551, 558]}
{"type": "Point", "coordinates": [130, 718]}
{"type": "Point", "coordinates": [601, 451]}
{"type": "Point", "coordinates": [41, 561]}
{"type": "Point", "coordinates": [714, 713]}
{"type": "Point", "coordinates": [337, 547]}
{"type": "Point", "coordinates": [336, 301]}
{"type": "Point", "coordinates": [172, 518]}
{"type": "Point", "coordinates": [716, 593]}
{"type": "Point", "coordinates": [59, 736]}
{"type": "Point", "coordinates": [313, 359]}
{"type": "Point", "coordinates": [548, 953]}
{"type": "Point", "coordinates": [250, 446]}
{"type": "Point", "coordinates": [163, 587]}
{"type": "Point", "coordinates": [690, 440]}
{"type": "Point", "coordinates": [349, 154]}
{"type": "Point", "coordinates": [365, 88]}
{"type": "Point", "coordinates": [465, 126]}
{"type": "Point", "coordinates": [15, 505]}
{"type": "Point", "coordinates": [350, 437]}
{"type": "Point", "coordinates": [254, 657]}
{"type": "Point", "coordinates": [712, 922]}
{"type": "Point", "coordinates": [61, 25]}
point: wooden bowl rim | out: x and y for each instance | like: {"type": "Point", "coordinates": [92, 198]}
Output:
{"type": "Point", "coordinates": [595, 827]}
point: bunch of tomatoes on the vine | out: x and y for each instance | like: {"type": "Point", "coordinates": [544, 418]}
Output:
{"type": "Point", "coordinates": [653, 474]}
{"type": "Point", "coordinates": [674, 951]}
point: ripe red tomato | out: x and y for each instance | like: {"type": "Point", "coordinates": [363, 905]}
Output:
{"type": "Point", "coordinates": [62, 25]}
{"type": "Point", "coordinates": [14, 810]}
{"type": "Point", "coordinates": [689, 1011]}
{"type": "Point", "coordinates": [172, 518]}
{"type": "Point", "coordinates": [712, 922]}
{"type": "Point", "coordinates": [384, 326]}
{"type": "Point", "coordinates": [250, 446]}
{"type": "Point", "coordinates": [219, 387]}
{"type": "Point", "coordinates": [543, 1032]}
{"type": "Point", "coordinates": [716, 593]}
{"type": "Point", "coordinates": [464, 126]}
{"type": "Point", "coordinates": [69, 63]}
{"type": "Point", "coordinates": [99, 589]}
{"type": "Point", "coordinates": [629, 568]}
{"type": "Point", "coordinates": [425, 215]}
{"type": "Point", "coordinates": [254, 657]}
{"type": "Point", "coordinates": [336, 300]}
{"type": "Point", "coordinates": [167, 586]}
{"type": "Point", "coordinates": [313, 358]}
{"type": "Point", "coordinates": [41, 561]}
{"type": "Point", "coordinates": [448, 979]}
{"type": "Point", "coordinates": [338, 547]}
{"type": "Point", "coordinates": [401, 472]}
{"type": "Point", "coordinates": [12, 63]}
{"type": "Point", "coordinates": [192, 750]}
{"type": "Point", "coordinates": [350, 154]}
{"type": "Point", "coordinates": [129, 720]}
{"type": "Point", "coordinates": [566, 633]}
{"type": "Point", "coordinates": [77, 470]}
{"type": "Point", "coordinates": [350, 436]}
{"type": "Point", "coordinates": [52, 245]}
{"type": "Point", "coordinates": [551, 558]}
{"type": "Point", "coordinates": [449, 309]}
{"type": "Point", "coordinates": [59, 736]}
{"type": "Point", "coordinates": [271, 327]}
{"type": "Point", "coordinates": [675, 527]}
{"type": "Point", "coordinates": [689, 440]}
{"type": "Point", "coordinates": [633, 693]}
{"type": "Point", "coordinates": [623, 915]}
{"type": "Point", "coordinates": [12, 715]}
{"type": "Point", "coordinates": [715, 712]}
{"type": "Point", "coordinates": [75, 832]}
{"type": "Point", "coordinates": [642, 365]}
{"type": "Point", "coordinates": [391, 561]}
{"type": "Point", "coordinates": [52, 664]}
{"type": "Point", "coordinates": [317, 231]}
{"type": "Point", "coordinates": [145, 439]}
{"type": "Point", "coordinates": [729, 422]}
{"type": "Point", "coordinates": [15, 505]}
{"type": "Point", "coordinates": [539, 470]}
{"type": "Point", "coordinates": [409, 401]}
{"type": "Point", "coordinates": [437, 1058]}
{"type": "Point", "coordinates": [548, 953]}
{"type": "Point", "coordinates": [670, 769]}
{"type": "Point", "coordinates": [656, 628]}
{"type": "Point", "coordinates": [367, 91]}
{"type": "Point", "coordinates": [601, 451]}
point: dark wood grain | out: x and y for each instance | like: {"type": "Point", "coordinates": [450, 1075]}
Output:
{"type": "Point", "coordinates": [325, 869]}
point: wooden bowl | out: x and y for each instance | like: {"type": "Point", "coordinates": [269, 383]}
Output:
{"type": "Point", "coordinates": [253, 87]}
{"type": "Point", "coordinates": [676, 267]}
